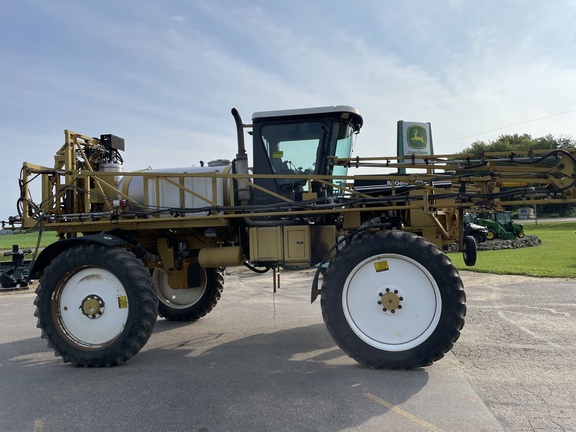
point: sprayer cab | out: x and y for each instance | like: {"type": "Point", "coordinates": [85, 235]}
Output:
{"type": "Point", "coordinates": [300, 142]}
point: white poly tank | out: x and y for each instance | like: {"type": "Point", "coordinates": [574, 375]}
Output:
{"type": "Point", "coordinates": [116, 168]}
{"type": "Point", "coordinates": [157, 191]}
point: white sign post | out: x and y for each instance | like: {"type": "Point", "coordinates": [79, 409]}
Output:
{"type": "Point", "coordinates": [414, 139]}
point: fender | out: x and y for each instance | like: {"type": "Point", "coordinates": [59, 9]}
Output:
{"type": "Point", "coordinates": [55, 249]}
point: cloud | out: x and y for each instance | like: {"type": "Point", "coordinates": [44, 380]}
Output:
{"type": "Point", "coordinates": [165, 75]}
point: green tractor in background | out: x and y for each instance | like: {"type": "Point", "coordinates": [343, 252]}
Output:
{"type": "Point", "coordinates": [500, 225]}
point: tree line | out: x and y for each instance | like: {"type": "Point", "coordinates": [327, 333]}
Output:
{"type": "Point", "coordinates": [521, 142]}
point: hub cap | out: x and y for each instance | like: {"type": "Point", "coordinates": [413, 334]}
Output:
{"type": "Point", "coordinates": [391, 302]}
{"type": "Point", "coordinates": [91, 308]}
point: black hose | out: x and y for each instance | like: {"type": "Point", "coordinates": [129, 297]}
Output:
{"type": "Point", "coordinates": [256, 270]}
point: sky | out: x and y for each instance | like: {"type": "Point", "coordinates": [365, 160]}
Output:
{"type": "Point", "coordinates": [164, 74]}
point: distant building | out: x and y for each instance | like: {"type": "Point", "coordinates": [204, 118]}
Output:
{"type": "Point", "coordinates": [526, 213]}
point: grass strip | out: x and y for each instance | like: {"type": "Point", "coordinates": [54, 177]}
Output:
{"type": "Point", "coordinates": [555, 257]}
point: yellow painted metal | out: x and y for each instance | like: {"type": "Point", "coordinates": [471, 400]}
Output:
{"type": "Point", "coordinates": [77, 199]}
{"type": "Point", "coordinates": [226, 256]}
{"type": "Point", "coordinates": [297, 247]}
{"type": "Point", "coordinates": [178, 279]}
{"type": "Point", "coordinates": [166, 253]}
{"type": "Point", "coordinates": [352, 219]}
{"type": "Point", "coordinates": [266, 245]}
{"type": "Point", "coordinates": [307, 196]}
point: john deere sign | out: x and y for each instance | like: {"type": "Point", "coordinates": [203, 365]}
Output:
{"type": "Point", "coordinates": [417, 137]}
{"type": "Point", "coordinates": [414, 139]}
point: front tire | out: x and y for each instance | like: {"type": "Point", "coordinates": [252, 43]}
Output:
{"type": "Point", "coordinates": [393, 300]}
{"type": "Point", "coordinates": [96, 306]}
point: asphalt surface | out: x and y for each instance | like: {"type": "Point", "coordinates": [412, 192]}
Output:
{"type": "Point", "coordinates": [265, 362]}
{"type": "Point", "coordinates": [518, 349]}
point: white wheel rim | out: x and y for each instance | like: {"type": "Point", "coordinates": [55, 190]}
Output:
{"type": "Point", "coordinates": [92, 327]}
{"type": "Point", "coordinates": [419, 308]}
{"type": "Point", "coordinates": [177, 298]}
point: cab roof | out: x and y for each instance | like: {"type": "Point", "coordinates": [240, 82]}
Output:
{"type": "Point", "coordinates": [348, 113]}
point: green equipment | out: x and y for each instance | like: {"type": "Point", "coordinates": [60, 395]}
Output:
{"type": "Point", "coordinates": [500, 225]}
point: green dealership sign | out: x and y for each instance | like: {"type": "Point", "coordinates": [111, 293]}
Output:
{"type": "Point", "coordinates": [417, 137]}
{"type": "Point", "coordinates": [414, 140]}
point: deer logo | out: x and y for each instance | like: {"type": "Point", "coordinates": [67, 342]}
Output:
{"type": "Point", "coordinates": [417, 137]}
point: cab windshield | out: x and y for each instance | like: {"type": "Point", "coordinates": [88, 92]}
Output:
{"type": "Point", "coordinates": [302, 149]}
{"type": "Point", "coordinates": [292, 148]}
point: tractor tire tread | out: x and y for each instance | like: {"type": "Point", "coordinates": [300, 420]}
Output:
{"type": "Point", "coordinates": [144, 318]}
{"type": "Point", "coordinates": [437, 263]}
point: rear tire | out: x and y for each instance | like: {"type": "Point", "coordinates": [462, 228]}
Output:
{"type": "Point", "coordinates": [191, 303]}
{"type": "Point", "coordinates": [96, 306]}
{"type": "Point", "coordinates": [393, 300]}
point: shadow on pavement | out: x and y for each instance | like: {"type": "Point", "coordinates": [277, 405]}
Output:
{"type": "Point", "coordinates": [286, 380]}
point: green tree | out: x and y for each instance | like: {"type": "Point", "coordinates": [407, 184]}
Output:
{"type": "Point", "coordinates": [517, 142]}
